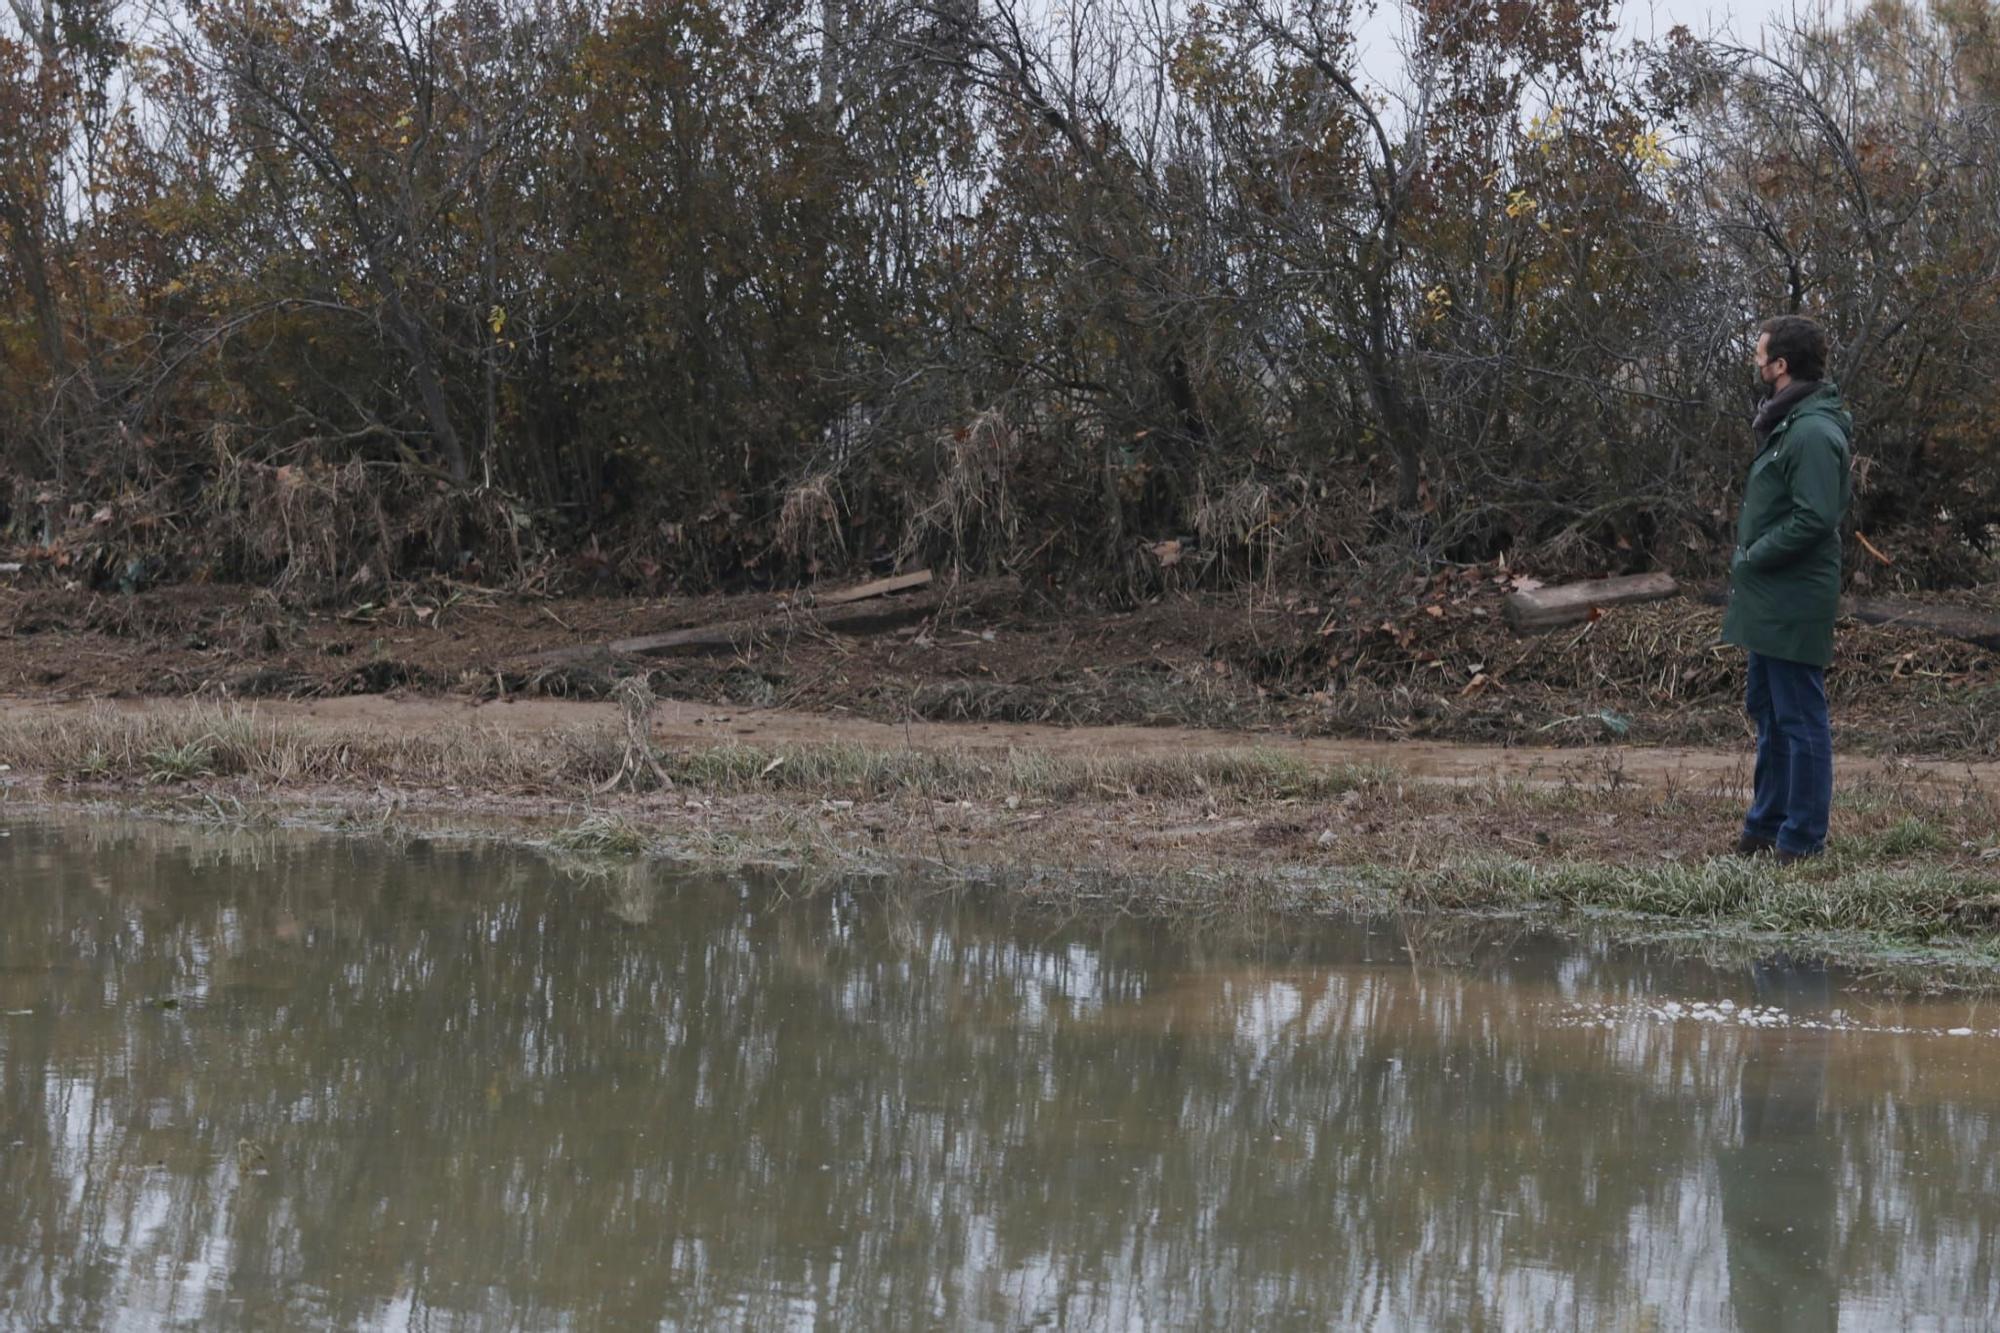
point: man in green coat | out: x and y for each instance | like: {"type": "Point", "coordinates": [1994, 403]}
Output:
{"type": "Point", "coordinates": [1785, 586]}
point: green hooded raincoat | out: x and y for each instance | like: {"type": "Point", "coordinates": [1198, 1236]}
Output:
{"type": "Point", "coordinates": [1785, 577]}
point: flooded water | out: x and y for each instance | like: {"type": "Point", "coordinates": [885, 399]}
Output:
{"type": "Point", "coordinates": [270, 1081]}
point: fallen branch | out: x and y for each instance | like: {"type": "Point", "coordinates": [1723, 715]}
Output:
{"type": "Point", "coordinates": [1872, 549]}
{"type": "Point", "coordinates": [635, 703]}
{"type": "Point", "coordinates": [735, 635]}
{"type": "Point", "coordinates": [837, 616]}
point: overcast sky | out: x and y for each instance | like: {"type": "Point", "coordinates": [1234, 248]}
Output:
{"type": "Point", "coordinates": [1740, 19]}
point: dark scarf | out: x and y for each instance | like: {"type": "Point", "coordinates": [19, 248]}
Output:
{"type": "Point", "coordinates": [1779, 406]}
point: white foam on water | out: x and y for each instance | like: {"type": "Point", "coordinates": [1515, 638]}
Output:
{"type": "Point", "coordinates": [1729, 1013]}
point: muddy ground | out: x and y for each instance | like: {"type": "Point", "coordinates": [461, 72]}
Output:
{"type": "Point", "coordinates": [1429, 660]}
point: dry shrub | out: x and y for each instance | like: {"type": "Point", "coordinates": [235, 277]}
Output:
{"type": "Point", "coordinates": [1258, 528]}
{"type": "Point", "coordinates": [969, 520]}
{"type": "Point", "coordinates": [313, 529]}
{"type": "Point", "coordinates": [1236, 516]}
{"type": "Point", "coordinates": [1874, 656]}
{"type": "Point", "coordinates": [126, 540]}
{"type": "Point", "coordinates": [27, 511]}
{"type": "Point", "coordinates": [310, 527]}
{"type": "Point", "coordinates": [306, 530]}
{"type": "Point", "coordinates": [809, 530]}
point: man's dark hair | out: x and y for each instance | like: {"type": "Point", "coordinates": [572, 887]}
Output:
{"type": "Point", "coordinates": [1800, 342]}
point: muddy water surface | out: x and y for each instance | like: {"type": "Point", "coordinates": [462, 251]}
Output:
{"type": "Point", "coordinates": [265, 1080]}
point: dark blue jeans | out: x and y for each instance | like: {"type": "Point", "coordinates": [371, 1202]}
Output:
{"type": "Point", "coordinates": [1794, 783]}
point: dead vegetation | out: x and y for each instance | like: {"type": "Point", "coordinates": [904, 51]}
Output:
{"type": "Point", "coordinates": [1450, 632]}
{"type": "Point", "coordinates": [309, 533]}
{"type": "Point", "coordinates": [809, 531]}
{"type": "Point", "coordinates": [1441, 662]}
{"type": "Point", "coordinates": [968, 517]}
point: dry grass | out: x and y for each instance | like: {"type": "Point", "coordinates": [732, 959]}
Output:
{"type": "Point", "coordinates": [237, 742]}
{"type": "Point", "coordinates": [1117, 696]}
{"type": "Point", "coordinates": [230, 741]}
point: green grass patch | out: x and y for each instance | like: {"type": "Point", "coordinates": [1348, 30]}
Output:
{"type": "Point", "coordinates": [180, 763]}
{"type": "Point", "coordinates": [600, 835]}
{"type": "Point", "coordinates": [1901, 903]}
{"type": "Point", "coordinates": [1911, 835]}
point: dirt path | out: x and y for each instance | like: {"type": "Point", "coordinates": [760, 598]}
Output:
{"type": "Point", "coordinates": [680, 723]}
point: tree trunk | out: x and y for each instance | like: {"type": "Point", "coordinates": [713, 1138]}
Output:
{"type": "Point", "coordinates": [35, 274]}
{"type": "Point", "coordinates": [430, 388]}
{"type": "Point", "coordinates": [1386, 390]}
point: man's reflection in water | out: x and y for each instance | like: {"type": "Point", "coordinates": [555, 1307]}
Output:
{"type": "Point", "coordinates": [1778, 1187]}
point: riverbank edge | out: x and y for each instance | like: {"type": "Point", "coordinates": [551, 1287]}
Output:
{"type": "Point", "coordinates": [1906, 894]}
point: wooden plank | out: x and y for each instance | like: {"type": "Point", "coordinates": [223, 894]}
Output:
{"type": "Point", "coordinates": [1953, 622]}
{"type": "Point", "coordinates": [1535, 609]}
{"type": "Point", "coordinates": [879, 588]}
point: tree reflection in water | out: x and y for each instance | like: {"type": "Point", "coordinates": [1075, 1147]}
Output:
{"type": "Point", "coordinates": [432, 1083]}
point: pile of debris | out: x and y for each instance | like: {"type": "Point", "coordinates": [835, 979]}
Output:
{"type": "Point", "coordinates": [1469, 631]}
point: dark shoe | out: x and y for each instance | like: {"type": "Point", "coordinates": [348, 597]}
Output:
{"type": "Point", "coordinates": [1747, 845]}
{"type": "Point", "coordinates": [1786, 858]}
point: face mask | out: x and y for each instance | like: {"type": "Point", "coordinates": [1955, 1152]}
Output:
{"type": "Point", "coordinates": [1766, 382]}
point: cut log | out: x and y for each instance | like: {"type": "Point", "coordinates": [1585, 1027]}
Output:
{"type": "Point", "coordinates": [1533, 610]}
{"type": "Point", "coordinates": [1954, 622]}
